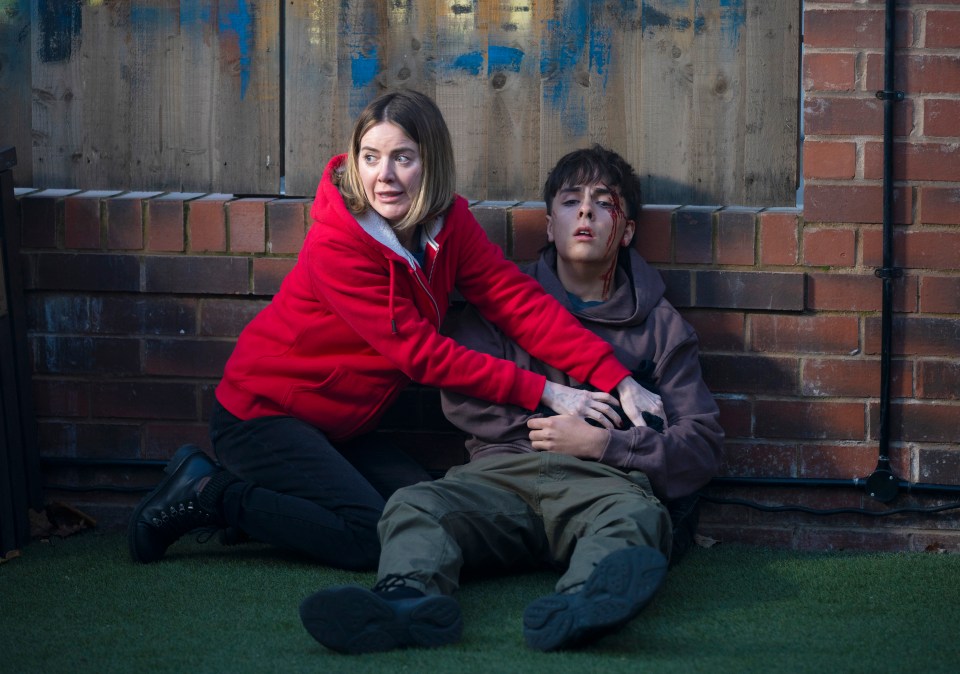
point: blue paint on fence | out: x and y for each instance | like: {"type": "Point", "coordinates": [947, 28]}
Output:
{"type": "Point", "coordinates": [500, 58]}
{"type": "Point", "coordinates": [364, 68]}
{"type": "Point", "coordinates": [194, 12]}
{"type": "Point", "coordinates": [471, 62]}
{"type": "Point", "coordinates": [240, 21]}
{"type": "Point", "coordinates": [60, 24]}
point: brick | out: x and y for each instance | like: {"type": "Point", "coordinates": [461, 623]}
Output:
{"type": "Point", "coordinates": [937, 249]}
{"type": "Point", "coordinates": [719, 330]}
{"type": "Point", "coordinates": [853, 28]}
{"type": "Point", "coordinates": [144, 400]}
{"type": "Point", "coordinates": [855, 204]}
{"type": "Point", "coordinates": [829, 72]}
{"type": "Point", "coordinates": [162, 439]}
{"type": "Point", "coordinates": [940, 295]}
{"type": "Point", "coordinates": [749, 290]}
{"type": "Point", "coordinates": [61, 398]}
{"type": "Point", "coordinates": [166, 223]}
{"type": "Point", "coordinates": [759, 460]}
{"type": "Point", "coordinates": [736, 417]}
{"type": "Point", "coordinates": [736, 236]}
{"type": "Point", "coordinates": [92, 440]}
{"type": "Point", "coordinates": [82, 354]}
{"type": "Point", "coordinates": [804, 334]}
{"type": "Point", "coordinates": [41, 218]}
{"type": "Point", "coordinates": [938, 379]}
{"type": "Point", "coordinates": [829, 160]}
{"type": "Point", "coordinates": [124, 220]}
{"type": "Point", "coordinates": [924, 422]}
{"type": "Point", "coordinates": [940, 205]}
{"type": "Point", "coordinates": [207, 223]}
{"type": "Point", "coordinates": [779, 238]}
{"type": "Point", "coordinates": [197, 274]}
{"type": "Point", "coordinates": [835, 116]}
{"type": "Point", "coordinates": [853, 377]}
{"type": "Point", "coordinates": [679, 291]}
{"type": "Point", "coordinates": [939, 465]}
{"type": "Point", "coordinates": [528, 229]}
{"type": "Point", "coordinates": [286, 225]}
{"type": "Point", "coordinates": [829, 247]}
{"type": "Point", "coordinates": [942, 29]}
{"type": "Point", "coordinates": [247, 225]}
{"type": "Point", "coordinates": [743, 374]}
{"type": "Point", "coordinates": [82, 219]}
{"type": "Point", "coordinates": [268, 274]}
{"type": "Point", "coordinates": [941, 117]}
{"type": "Point", "coordinates": [112, 314]}
{"type": "Point", "coordinates": [227, 318]}
{"type": "Point", "coordinates": [810, 420]}
{"type": "Point", "coordinates": [186, 357]}
{"type": "Point", "coordinates": [495, 219]}
{"type": "Point", "coordinates": [916, 336]}
{"type": "Point", "coordinates": [693, 226]}
{"type": "Point", "coordinates": [87, 272]}
{"type": "Point", "coordinates": [915, 161]}
{"type": "Point", "coordinates": [858, 292]}
{"type": "Point", "coordinates": [853, 539]}
{"type": "Point", "coordinates": [836, 461]}
{"type": "Point", "coordinates": [925, 73]}
{"type": "Point", "coordinates": [654, 237]}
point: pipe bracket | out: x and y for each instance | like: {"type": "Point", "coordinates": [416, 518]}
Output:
{"type": "Point", "coordinates": [885, 95]}
{"type": "Point", "coordinates": [888, 272]}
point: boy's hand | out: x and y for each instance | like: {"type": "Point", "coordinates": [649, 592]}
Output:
{"type": "Point", "coordinates": [567, 434]}
{"type": "Point", "coordinates": [634, 399]}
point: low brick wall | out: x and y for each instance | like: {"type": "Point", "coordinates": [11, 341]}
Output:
{"type": "Point", "coordinates": [135, 300]}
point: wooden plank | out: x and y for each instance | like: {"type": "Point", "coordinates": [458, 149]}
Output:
{"type": "Point", "coordinates": [246, 91]}
{"type": "Point", "coordinates": [565, 81]}
{"type": "Point", "coordinates": [513, 66]}
{"type": "Point", "coordinates": [666, 76]}
{"type": "Point", "coordinates": [15, 84]}
{"type": "Point", "coordinates": [461, 84]}
{"type": "Point", "coordinates": [771, 107]}
{"type": "Point", "coordinates": [312, 91]}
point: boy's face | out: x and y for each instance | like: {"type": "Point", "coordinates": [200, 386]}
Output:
{"type": "Point", "coordinates": [588, 223]}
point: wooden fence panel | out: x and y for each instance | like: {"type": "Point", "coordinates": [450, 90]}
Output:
{"type": "Point", "coordinates": [15, 86]}
{"type": "Point", "coordinates": [158, 94]}
{"type": "Point", "coordinates": [702, 96]}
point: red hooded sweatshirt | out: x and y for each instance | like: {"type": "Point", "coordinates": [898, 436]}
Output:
{"type": "Point", "coordinates": [357, 319]}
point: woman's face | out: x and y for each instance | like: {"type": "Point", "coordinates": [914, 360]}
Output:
{"type": "Point", "coordinates": [390, 169]}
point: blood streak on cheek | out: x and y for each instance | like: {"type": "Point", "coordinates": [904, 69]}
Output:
{"type": "Point", "coordinates": [618, 216]}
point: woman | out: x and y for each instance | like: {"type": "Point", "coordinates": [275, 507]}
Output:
{"type": "Point", "coordinates": [354, 322]}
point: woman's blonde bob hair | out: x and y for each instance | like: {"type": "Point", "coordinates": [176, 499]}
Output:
{"type": "Point", "coordinates": [421, 119]}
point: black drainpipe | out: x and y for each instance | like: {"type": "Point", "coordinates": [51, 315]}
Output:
{"type": "Point", "coordinates": [883, 484]}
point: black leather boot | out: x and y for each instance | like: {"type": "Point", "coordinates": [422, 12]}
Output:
{"type": "Point", "coordinates": [174, 507]}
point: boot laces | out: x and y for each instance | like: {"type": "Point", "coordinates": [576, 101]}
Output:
{"type": "Point", "coordinates": [181, 517]}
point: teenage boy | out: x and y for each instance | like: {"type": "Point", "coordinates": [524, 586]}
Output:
{"type": "Point", "coordinates": [581, 495]}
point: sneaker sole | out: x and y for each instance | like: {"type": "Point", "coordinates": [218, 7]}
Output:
{"type": "Point", "coordinates": [177, 460]}
{"type": "Point", "coordinates": [619, 587]}
{"type": "Point", "coordinates": [354, 620]}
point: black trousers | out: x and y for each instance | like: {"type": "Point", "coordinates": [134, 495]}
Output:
{"type": "Point", "coordinates": [298, 491]}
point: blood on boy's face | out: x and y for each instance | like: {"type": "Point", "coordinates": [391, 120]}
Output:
{"type": "Point", "coordinates": [587, 224]}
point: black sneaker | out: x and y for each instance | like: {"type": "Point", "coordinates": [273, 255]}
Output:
{"type": "Point", "coordinates": [172, 509]}
{"type": "Point", "coordinates": [354, 620]}
{"type": "Point", "coordinates": [619, 587]}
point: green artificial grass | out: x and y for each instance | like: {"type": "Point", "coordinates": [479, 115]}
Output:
{"type": "Point", "coordinates": [79, 605]}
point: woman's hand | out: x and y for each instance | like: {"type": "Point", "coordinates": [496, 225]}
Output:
{"type": "Point", "coordinates": [587, 404]}
{"type": "Point", "coordinates": [567, 435]}
{"type": "Point", "coordinates": [634, 400]}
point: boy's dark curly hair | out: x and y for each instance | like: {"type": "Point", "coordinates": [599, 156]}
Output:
{"type": "Point", "coordinates": [595, 164]}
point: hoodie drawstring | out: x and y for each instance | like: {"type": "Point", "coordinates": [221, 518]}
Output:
{"type": "Point", "coordinates": [393, 320]}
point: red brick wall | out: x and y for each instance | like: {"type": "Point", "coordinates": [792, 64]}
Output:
{"type": "Point", "coordinates": [135, 301]}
